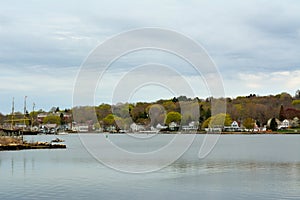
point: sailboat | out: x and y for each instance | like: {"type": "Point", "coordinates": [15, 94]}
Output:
{"type": "Point", "coordinates": [14, 130]}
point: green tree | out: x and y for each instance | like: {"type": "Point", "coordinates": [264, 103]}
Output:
{"type": "Point", "coordinates": [112, 120]}
{"type": "Point", "coordinates": [97, 126]}
{"type": "Point", "coordinates": [156, 113]}
{"type": "Point", "coordinates": [296, 103]}
{"type": "Point", "coordinates": [102, 111]}
{"type": "Point", "coordinates": [52, 119]}
{"type": "Point", "coordinates": [221, 119]}
{"type": "Point", "coordinates": [109, 120]}
{"type": "Point", "coordinates": [208, 113]}
{"type": "Point", "coordinates": [249, 123]}
{"type": "Point", "coordinates": [173, 117]}
{"type": "Point", "coordinates": [169, 106]}
{"type": "Point", "coordinates": [273, 124]}
{"type": "Point", "coordinates": [62, 118]}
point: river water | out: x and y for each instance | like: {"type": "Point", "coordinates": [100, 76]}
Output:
{"type": "Point", "coordinates": [239, 167]}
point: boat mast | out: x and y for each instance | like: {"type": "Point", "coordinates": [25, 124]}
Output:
{"type": "Point", "coordinates": [12, 113]}
{"type": "Point", "coordinates": [24, 111]}
{"type": "Point", "coordinates": [33, 105]}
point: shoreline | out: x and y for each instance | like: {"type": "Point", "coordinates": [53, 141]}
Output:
{"type": "Point", "coordinates": [198, 132]}
{"type": "Point", "coordinates": [8, 143]}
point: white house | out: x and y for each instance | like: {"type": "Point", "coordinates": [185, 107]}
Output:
{"type": "Point", "coordinates": [192, 126]}
{"type": "Point", "coordinates": [233, 127]}
{"type": "Point", "coordinates": [160, 127]}
{"type": "Point", "coordinates": [136, 127]}
{"type": "Point", "coordinates": [284, 124]}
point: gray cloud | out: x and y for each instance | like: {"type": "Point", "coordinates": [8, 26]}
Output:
{"type": "Point", "coordinates": [254, 37]}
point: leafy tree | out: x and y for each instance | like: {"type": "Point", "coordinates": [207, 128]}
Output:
{"type": "Point", "coordinates": [297, 94]}
{"type": "Point", "coordinates": [173, 117]}
{"type": "Point", "coordinates": [103, 110]}
{"type": "Point", "coordinates": [120, 123]}
{"type": "Point", "coordinates": [218, 120]}
{"type": "Point", "coordinates": [157, 114]}
{"type": "Point", "coordinates": [186, 119]}
{"type": "Point", "coordinates": [292, 113]}
{"type": "Point", "coordinates": [258, 123]}
{"type": "Point", "coordinates": [83, 114]}
{"type": "Point", "coordinates": [249, 123]}
{"type": "Point", "coordinates": [97, 125]}
{"type": "Point", "coordinates": [62, 119]}
{"type": "Point", "coordinates": [208, 113]}
{"type": "Point", "coordinates": [109, 120]}
{"type": "Point", "coordinates": [170, 106]}
{"type": "Point", "coordinates": [296, 103]}
{"type": "Point", "coordinates": [52, 110]}
{"type": "Point", "coordinates": [139, 112]}
{"type": "Point", "coordinates": [174, 100]}
{"type": "Point", "coordinates": [273, 124]}
{"type": "Point", "coordinates": [2, 117]}
{"type": "Point", "coordinates": [282, 114]}
{"type": "Point", "coordinates": [182, 98]}
{"type": "Point", "coordinates": [112, 120]}
{"type": "Point", "coordinates": [52, 119]}
{"type": "Point", "coordinates": [221, 119]}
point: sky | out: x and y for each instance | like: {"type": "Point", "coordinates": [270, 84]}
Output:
{"type": "Point", "coordinates": [43, 44]}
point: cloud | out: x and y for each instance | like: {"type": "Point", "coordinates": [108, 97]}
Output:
{"type": "Point", "coordinates": [263, 83]}
{"type": "Point", "coordinates": [254, 43]}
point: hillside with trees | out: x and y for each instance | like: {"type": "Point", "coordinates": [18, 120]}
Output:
{"type": "Point", "coordinates": [246, 110]}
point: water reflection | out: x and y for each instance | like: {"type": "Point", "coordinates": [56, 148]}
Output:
{"type": "Point", "coordinates": [16, 165]}
{"type": "Point", "coordinates": [183, 166]}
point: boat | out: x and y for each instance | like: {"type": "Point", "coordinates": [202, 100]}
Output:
{"type": "Point", "coordinates": [62, 133]}
{"type": "Point", "coordinates": [21, 128]}
{"type": "Point", "coordinates": [28, 132]}
{"type": "Point", "coordinates": [57, 140]}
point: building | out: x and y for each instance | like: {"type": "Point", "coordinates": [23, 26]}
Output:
{"type": "Point", "coordinates": [234, 127]}
{"type": "Point", "coordinates": [284, 124]}
{"type": "Point", "coordinates": [136, 127]}
{"type": "Point", "coordinates": [193, 126]}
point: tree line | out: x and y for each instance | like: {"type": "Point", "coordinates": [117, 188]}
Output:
{"type": "Point", "coordinates": [247, 110]}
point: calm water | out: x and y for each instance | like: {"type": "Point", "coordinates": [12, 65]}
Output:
{"type": "Point", "coordinates": [239, 167]}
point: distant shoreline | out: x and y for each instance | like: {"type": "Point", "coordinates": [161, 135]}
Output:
{"type": "Point", "coordinates": [200, 133]}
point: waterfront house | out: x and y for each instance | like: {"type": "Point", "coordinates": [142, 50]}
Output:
{"type": "Point", "coordinates": [284, 124]}
{"type": "Point", "coordinates": [40, 117]}
{"type": "Point", "coordinates": [191, 127]}
{"type": "Point", "coordinates": [161, 127]}
{"type": "Point", "coordinates": [136, 127]}
{"type": "Point", "coordinates": [173, 126]}
{"type": "Point", "coordinates": [234, 127]}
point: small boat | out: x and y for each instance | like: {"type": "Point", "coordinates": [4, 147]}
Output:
{"type": "Point", "coordinates": [57, 140]}
{"type": "Point", "coordinates": [62, 133]}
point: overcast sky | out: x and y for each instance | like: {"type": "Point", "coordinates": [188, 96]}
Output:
{"type": "Point", "coordinates": [254, 43]}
